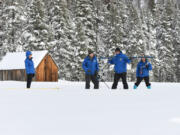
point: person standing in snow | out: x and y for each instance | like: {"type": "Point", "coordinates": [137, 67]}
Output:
{"type": "Point", "coordinates": [120, 61]}
{"type": "Point", "coordinates": [142, 73]}
{"type": "Point", "coordinates": [30, 71]}
{"type": "Point", "coordinates": [91, 68]}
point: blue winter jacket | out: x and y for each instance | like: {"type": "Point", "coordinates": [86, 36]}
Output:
{"type": "Point", "coordinates": [90, 66]}
{"type": "Point", "coordinates": [143, 70]}
{"type": "Point", "coordinates": [29, 64]}
{"type": "Point", "coordinates": [120, 61]}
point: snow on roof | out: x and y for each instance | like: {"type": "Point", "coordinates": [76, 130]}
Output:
{"type": "Point", "coordinates": [16, 60]}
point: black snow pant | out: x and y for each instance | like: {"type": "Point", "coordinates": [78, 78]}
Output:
{"type": "Point", "coordinates": [92, 78]}
{"type": "Point", "coordinates": [139, 80]}
{"type": "Point", "coordinates": [117, 78]}
{"type": "Point", "coordinates": [29, 80]}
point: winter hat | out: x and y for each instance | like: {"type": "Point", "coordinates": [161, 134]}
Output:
{"type": "Point", "coordinates": [90, 51]}
{"type": "Point", "coordinates": [28, 53]}
{"type": "Point", "coordinates": [117, 49]}
{"type": "Point", "coordinates": [144, 56]}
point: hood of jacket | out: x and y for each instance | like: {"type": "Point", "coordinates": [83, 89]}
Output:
{"type": "Point", "coordinates": [28, 53]}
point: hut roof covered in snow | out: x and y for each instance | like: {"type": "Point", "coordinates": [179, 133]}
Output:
{"type": "Point", "coordinates": [16, 60]}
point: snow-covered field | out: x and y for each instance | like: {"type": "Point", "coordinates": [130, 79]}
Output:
{"type": "Point", "coordinates": [66, 108]}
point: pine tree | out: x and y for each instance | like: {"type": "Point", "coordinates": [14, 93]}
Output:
{"type": "Point", "coordinates": [2, 49]}
{"type": "Point", "coordinates": [165, 47]}
{"type": "Point", "coordinates": [37, 35]}
{"type": "Point", "coordinates": [63, 48]}
{"type": "Point", "coordinates": [12, 23]}
{"type": "Point", "coordinates": [85, 38]}
{"type": "Point", "coordinates": [152, 6]}
{"type": "Point", "coordinates": [113, 21]}
{"type": "Point", "coordinates": [136, 42]}
{"type": "Point", "coordinates": [176, 41]}
{"type": "Point", "coordinates": [1, 28]}
{"type": "Point", "coordinates": [149, 32]}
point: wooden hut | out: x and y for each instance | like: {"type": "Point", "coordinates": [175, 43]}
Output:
{"type": "Point", "coordinates": [12, 67]}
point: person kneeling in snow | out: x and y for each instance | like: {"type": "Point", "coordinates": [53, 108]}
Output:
{"type": "Point", "coordinates": [29, 65]}
{"type": "Point", "coordinates": [91, 68]}
{"type": "Point", "coordinates": [142, 72]}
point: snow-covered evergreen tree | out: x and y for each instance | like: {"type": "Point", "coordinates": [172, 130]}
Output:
{"type": "Point", "coordinates": [176, 40]}
{"type": "Point", "coordinates": [149, 32]}
{"type": "Point", "coordinates": [12, 21]}
{"type": "Point", "coordinates": [85, 36]}
{"type": "Point", "coordinates": [62, 47]}
{"type": "Point", "coordinates": [37, 35]}
{"type": "Point", "coordinates": [165, 47]}
{"type": "Point", "coordinates": [1, 30]}
{"type": "Point", "coordinates": [135, 43]}
{"type": "Point", "coordinates": [108, 28]}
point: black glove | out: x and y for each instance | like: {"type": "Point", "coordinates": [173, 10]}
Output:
{"type": "Point", "coordinates": [33, 75]}
{"type": "Point", "coordinates": [89, 71]}
{"type": "Point", "coordinates": [96, 73]}
{"type": "Point", "coordinates": [98, 77]}
{"type": "Point", "coordinates": [147, 65]}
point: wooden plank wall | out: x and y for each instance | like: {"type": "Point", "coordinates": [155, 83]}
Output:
{"type": "Point", "coordinates": [17, 75]}
{"type": "Point", "coordinates": [54, 71]}
{"type": "Point", "coordinates": [49, 68]}
{"type": "Point", "coordinates": [1, 75]}
{"type": "Point", "coordinates": [40, 75]}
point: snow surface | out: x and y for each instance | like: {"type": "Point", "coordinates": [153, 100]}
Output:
{"type": "Point", "coordinates": [16, 60]}
{"type": "Point", "coordinates": [66, 108]}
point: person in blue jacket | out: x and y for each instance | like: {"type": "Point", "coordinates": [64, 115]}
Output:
{"type": "Point", "coordinates": [120, 61]}
{"type": "Point", "coordinates": [91, 68]}
{"type": "Point", "coordinates": [29, 66]}
{"type": "Point", "coordinates": [142, 72]}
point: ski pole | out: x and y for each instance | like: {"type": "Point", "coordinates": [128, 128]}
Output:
{"type": "Point", "coordinates": [105, 84]}
{"type": "Point", "coordinates": [136, 57]}
{"type": "Point", "coordinates": [101, 58]}
{"type": "Point", "coordinates": [99, 77]}
{"type": "Point", "coordinates": [132, 57]}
